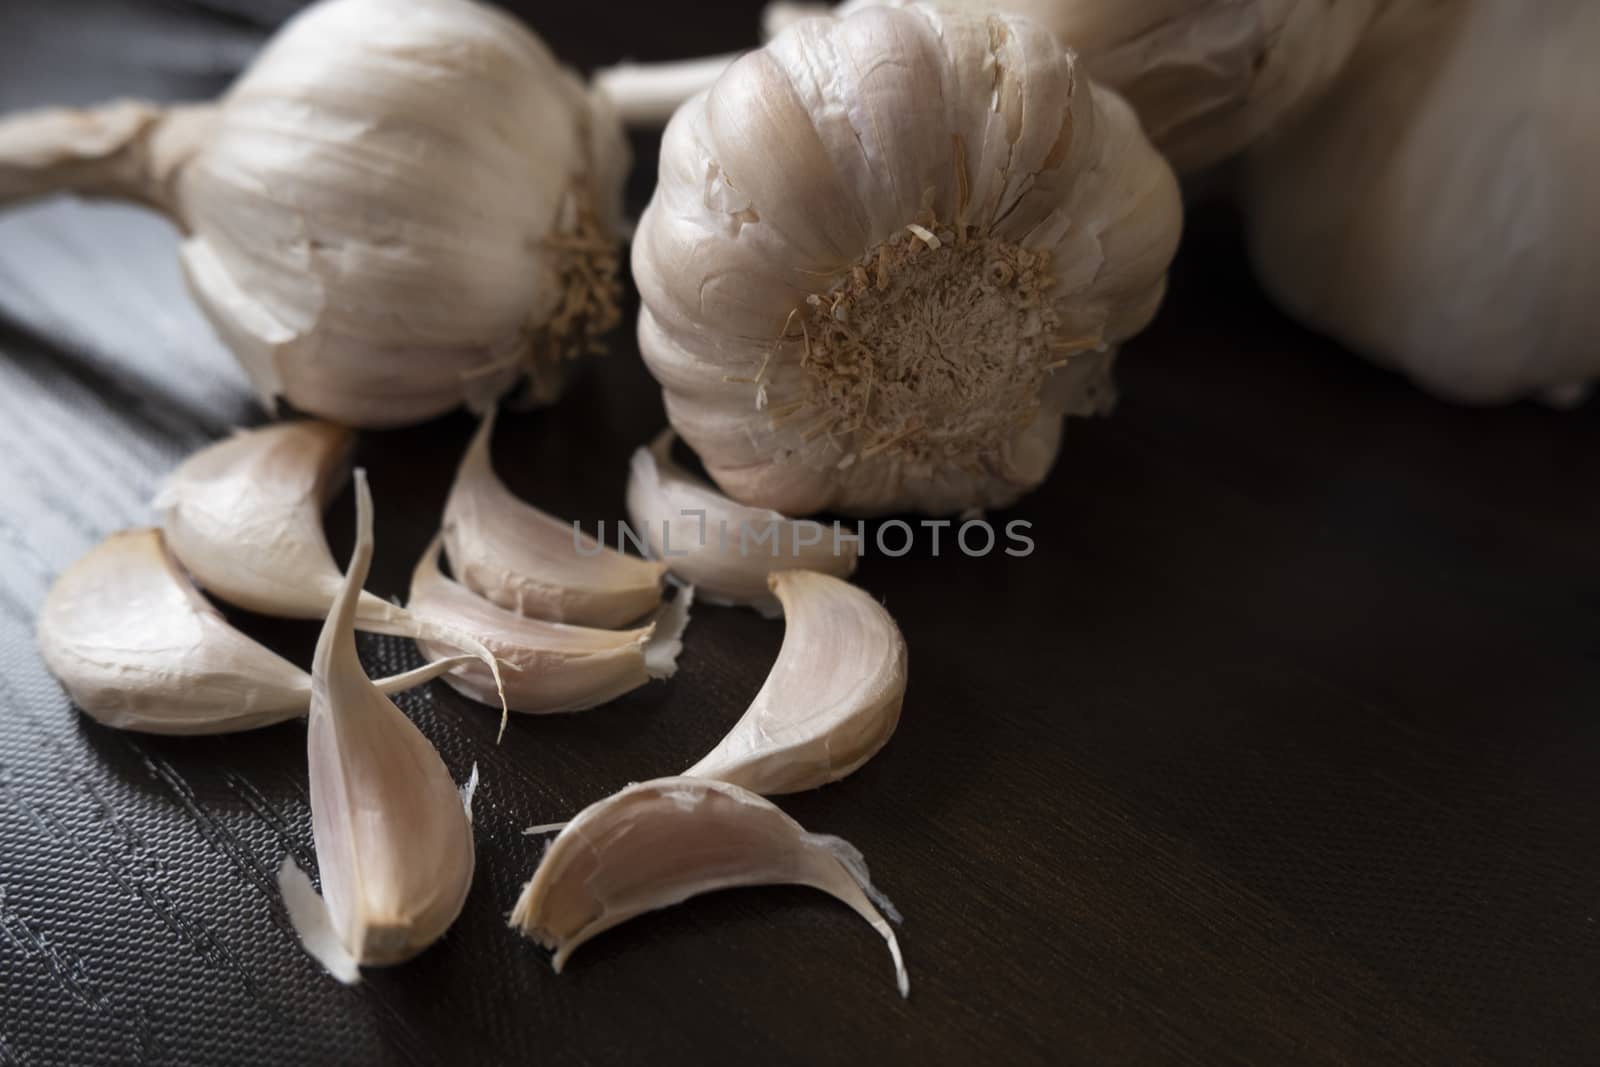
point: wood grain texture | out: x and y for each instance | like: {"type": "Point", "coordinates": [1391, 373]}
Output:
{"type": "Point", "coordinates": [1280, 749]}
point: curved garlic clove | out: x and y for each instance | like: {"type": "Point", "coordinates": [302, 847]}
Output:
{"type": "Point", "coordinates": [874, 244]}
{"type": "Point", "coordinates": [1439, 212]}
{"type": "Point", "coordinates": [831, 700]}
{"type": "Point", "coordinates": [394, 845]}
{"type": "Point", "coordinates": [556, 666]}
{"type": "Point", "coordinates": [532, 563]}
{"type": "Point", "coordinates": [137, 647]}
{"type": "Point", "coordinates": [244, 517]}
{"type": "Point", "coordinates": [391, 204]}
{"type": "Point", "coordinates": [724, 548]}
{"type": "Point", "coordinates": [661, 842]}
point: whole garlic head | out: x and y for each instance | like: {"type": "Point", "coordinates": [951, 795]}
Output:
{"type": "Point", "coordinates": [1440, 211]}
{"type": "Point", "coordinates": [1207, 77]}
{"type": "Point", "coordinates": [887, 253]}
{"type": "Point", "coordinates": [397, 207]}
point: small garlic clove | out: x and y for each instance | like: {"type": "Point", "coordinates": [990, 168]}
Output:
{"type": "Point", "coordinates": [832, 699]}
{"type": "Point", "coordinates": [556, 666]}
{"type": "Point", "coordinates": [138, 648]}
{"type": "Point", "coordinates": [532, 563]}
{"type": "Point", "coordinates": [244, 517]}
{"type": "Point", "coordinates": [726, 549]}
{"type": "Point", "coordinates": [394, 845]}
{"type": "Point", "coordinates": [661, 842]}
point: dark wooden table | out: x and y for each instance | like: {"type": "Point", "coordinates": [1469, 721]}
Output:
{"type": "Point", "coordinates": [1281, 748]}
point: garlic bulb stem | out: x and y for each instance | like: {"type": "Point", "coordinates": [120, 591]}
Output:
{"type": "Point", "coordinates": [646, 94]}
{"type": "Point", "coordinates": [127, 150]}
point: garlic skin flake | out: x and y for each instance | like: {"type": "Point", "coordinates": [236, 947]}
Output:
{"type": "Point", "coordinates": [244, 517]}
{"type": "Point", "coordinates": [725, 549]}
{"type": "Point", "coordinates": [394, 845]}
{"type": "Point", "coordinates": [888, 253]}
{"type": "Point", "coordinates": [1439, 212]}
{"type": "Point", "coordinates": [658, 843]}
{"type": "Point", "coordinates": [555, 666]}
{"type": "Point", "coordinates": [138, 648]}
{"type": "Point", "coordinates": [397, 207]}
{"type": "Point", "coordinates": [831, 700]}
{"type": "Point", "coordinates": [532, 563]}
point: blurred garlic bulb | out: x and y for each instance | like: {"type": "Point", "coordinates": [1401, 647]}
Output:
{"type": "Point", "coordinates": [1207, 77]}
{"type": "Point", "coordinates": [398, 205]}
{"type": "Point", "coordinates": [1439, 212]}
{"type": "Point", "coordinates": [887, 253]}
{"type": "Point", "coordinates": [137, 647]}
{"type": "Point", "coordinates": [394, 843]}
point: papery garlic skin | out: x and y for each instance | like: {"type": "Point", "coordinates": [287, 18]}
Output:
{"type": "Point", "coordinates": [138, 648]}
{"type": "Point", "coordinates": [1206, 77]}
{"type": "Point", "coordinates": [397, 207]}
{"type": "Point", "coordinates": [1439, 212]}
{"type": "Point", "coordinates": [394, 846]}
{"type": "Point", "coordinates": [725, 549]}
{"type": "Point", "coordinates": [555, 666]}
{"type": "Point", "coordinates": [831, 700]}
{"type": "Point", "coordinates": [907, 180]}
{"type": "Point", "coordinates": [658, 843]}
{"type": "Point", "coordinates": [533, 563]}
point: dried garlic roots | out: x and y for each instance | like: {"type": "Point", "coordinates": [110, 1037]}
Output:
{"type": "Point", "coordinates": [396, 207]}
{"type": "Point", "coordinates": [661, 842]}
{"type": "Point", "coordinates": [725, 549]}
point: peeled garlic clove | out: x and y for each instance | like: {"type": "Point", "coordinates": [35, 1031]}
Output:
{"type": "Point", "coordinates": [1439, 212]}
{"type": "Point", "coordinates": [244, 517]}
{"type": "Point", "coordinates": [661, 842]}
{"type": "Point", "coordinates": [394, 845]}
{"type": "Point", "coordinates": [832, 699]}
{"type": "Point", "coordinates": [725, 549]}
{"type": "Point", "coordinates": [873, 245]}
{"type": "Point", "coordinates": [535, 564]}
{"type": "Point", "coordinates": [394, 202]}
{"type": "Point", "coordinates": [556, 666]}
{"type": "Point", "coordinates": [137, 647]}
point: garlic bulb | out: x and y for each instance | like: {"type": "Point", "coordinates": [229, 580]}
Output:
{"type": "Point", "coordinates": [831, 700]}
{"type": "Point", "coordinates": [532, 563]}
{"type": "Point", "coordinates": [555, 666]}
{"type": "Point", "coordinates": [1439, 212]}
{"type": "Point", "coordinates": [888, 252]}
{"type": "Point", "coordinates": [396, 207]}
{"type": "Point", "coordinates": [725, 549]}
{"type": "Point", "coordinates": [394, 843]}
{"type": "Point", "coordinates": [658, 843]}
{"type": "Point", "coordinates": [137, 647]}
{"type": "Point", "coordinates": [244, 517]}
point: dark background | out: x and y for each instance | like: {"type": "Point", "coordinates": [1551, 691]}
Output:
{"type": "Point", "coordinates": [1282, 748]}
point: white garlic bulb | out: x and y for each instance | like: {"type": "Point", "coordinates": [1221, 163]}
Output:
{"type": "Point", "coordinates": [397, 206]}
{"type": "Point", "coordinates": [1439, 212]}
{"type": "Point", "coordinates": [888, 252]}
{"type": "Point", "coordinates": [1207, 77]}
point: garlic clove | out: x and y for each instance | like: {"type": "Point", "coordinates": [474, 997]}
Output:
{"type": "Point", "coordinates": [137, 647]}
{"type": "Point", "coordinates": [532, 563]}
{"type": "Point", "coordinates": [555, 666]}
{"type": "Point", "coordinates": [726, 549]}
{"type": "Point", "coordinates": [244, 517]}
{"type": "Point", "coordinates": [831, 700]}
{"type": "Point", "coordinates": [658, 843]}
{"type": "Point", "coordinates": [394, 845]}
